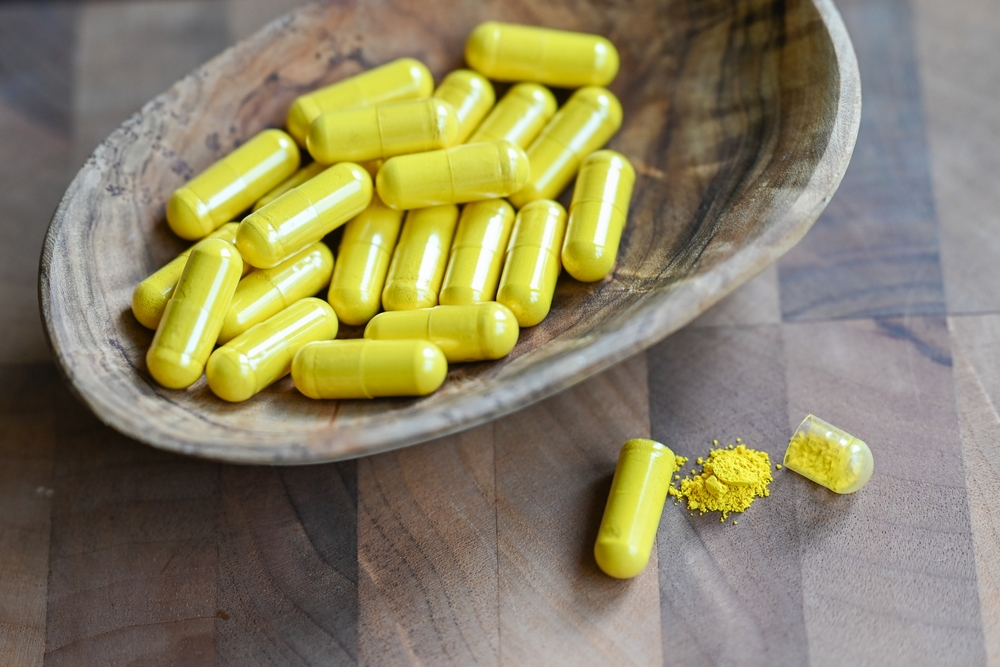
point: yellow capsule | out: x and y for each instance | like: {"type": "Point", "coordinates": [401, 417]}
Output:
{"type": "Point", "coordinates": [585, 123]}
{"type": "Point", "coordinates": [355, 135]}
{"type": "Point", "coordinates": [232, 185]}
{"type": "Point", "coordinates": [635, 503]}
{"type": "Point", "coordinates": [262, 355]}
{"type": "Point", "coordinates": [829, 456]}
{"type": "Point", "coordinates": [511, 52]}
{"type": "Point", "coordinates": [597, 215]}
{"type": "Point", "coordinates": [266, 292]}
{"type": "Point", "coordinates": [372, 167]}
{"type": "Point", "coordinates": [151, 295]}
{"type": "Point", "coordinates": [304, 215]}
{"type": "Point", "coordinates": [532, 264]}
{"type": "Point", "coordinates": [518, 117]}
{"type": "Point", "coordinates": [363, 261]}
{"type": "Point", "coordinates": [474, 332]}
{"type": "Point", "coordinates": [453, 176]}
{"type": "Point", "coordinates": [293, 181]}
{"type": "Point", "coordinates": [420, 258]}
{"type": "Point", "coordinates": [368, 368]}
{"type": "Point", "coordinates": [476, 257]}
{"type": "Point", "coordinates": [193, 318]}
{"type": "Point", "coordinates": [403, 79]}
{"type": "Point", "coordinates": [472, 97]}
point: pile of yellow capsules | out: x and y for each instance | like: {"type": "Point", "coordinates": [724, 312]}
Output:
{"type": "Point", "coordinates": [385, 143]}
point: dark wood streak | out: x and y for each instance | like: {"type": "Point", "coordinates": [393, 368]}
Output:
{"type": "Point", "coordinates": [747, 112]}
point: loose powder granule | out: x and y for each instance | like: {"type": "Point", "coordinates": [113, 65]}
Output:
{"type": "Point", "coordinates": [729, 481]}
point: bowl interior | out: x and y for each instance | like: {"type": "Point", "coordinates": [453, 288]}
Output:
{"type": "Point", "coordinates": [730, 106]}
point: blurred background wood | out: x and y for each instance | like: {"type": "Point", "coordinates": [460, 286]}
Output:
{"type": "Point", "coordinates": [474, 549]}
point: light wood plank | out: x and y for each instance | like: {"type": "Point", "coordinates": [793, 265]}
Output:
{"type": "Point", "coordinates": [246, 17]}
{"type": "Point", "coordinates": [889, 571]}
{"type": "Point", "coordinates": [288, 566]}
{"type": "Point", "coordinates": [959, 44]}
{"type": "Point", "coordinates": [427, 553]}
{"type": "Point", "coordinates": [554, 465]}
{"type": "Point", "coordinates": [729, 594]}
{"type": "Point", "coordinates": [977, 393]}
{"type": "Point", "coordinates": [757, 302]}
{"type": "Point", "coordinates": [132, 560]}
{"type": "Point", "coordinates": [27, 455]}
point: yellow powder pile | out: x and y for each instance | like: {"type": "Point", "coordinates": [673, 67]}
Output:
{"type": "Point", "coordinates": [729, 481]}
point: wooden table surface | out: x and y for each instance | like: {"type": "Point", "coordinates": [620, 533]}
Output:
{"type": "Point", "coordinates": [475, 549]}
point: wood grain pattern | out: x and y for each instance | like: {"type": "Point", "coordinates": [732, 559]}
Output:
{"type": "Point", "coordinates": [957, 44]}
{"type": "Point", "coordinates": [725, 383]}
{"type": "Point", "coordinates": [27, 456]}
{"type": "Point", "coordinates": [875, 251]}
{"type": "Point", "coordinates": [741, 121]}
{"type": "Point", "coordinates": [554, 464]}
{"type": "Point", "coordinates": [977, 394]}
{"type": "Point", "coordinates": [874, 563]}
{"type": "Point", "coordinates": [427, 554]}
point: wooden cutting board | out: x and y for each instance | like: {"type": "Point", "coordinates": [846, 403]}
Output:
{"type": "Point", "coordinates": [475, 549]}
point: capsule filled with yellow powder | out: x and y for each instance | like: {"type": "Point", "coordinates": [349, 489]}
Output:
{"type": "Point", "coordinates": [829, 456]}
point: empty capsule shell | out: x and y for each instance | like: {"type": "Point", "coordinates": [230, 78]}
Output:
{"type": "Point", "coordinates": [232, 185]}
{"type": "Point", "coordinates": [474, 332]}
{"type": "Point", "coordinates": [371, 133]}
{"type": "Point", "coordinates": [304, 215]}
{"type": "Point", "coordinates": [829, 456]}
{"type": "Point", "coordinates": [403, 79]}
{"type": "Point", "coordinates": [632, 514]}
{"type": "Point", "coordinates": [266, 292]}
{"type": "Point", "coordinates": [597, 215]}
{"type": "Point", "coordinates": [263, 355]}
{"type": "Point", "coordinates": [585, 123]}
{"type": "Point", "coordinates": [368, 368]}
{"type": "Point", "coordinates": [472, 97]}
{"type": "Point", "coordinates": [293, 181]}
{"type": "Point", "coordinates": [531, 270]}
{"type": "Point", "coordinates": [150, 297]}
{"type": "Point", "coordinates": [191, 323]}
{"type": "Point", "coordinates": [518, 117]}
{"type": "Point", "coordinates": [510, 52]}
{"type": "Point", "coordinates": [453, 176]}
{"type": "Point", "coordinates": [477, 252]}
{"type": "Point", "coordinates": [363, 261]}
{"type": "Point", "coordinates": [419, 260]}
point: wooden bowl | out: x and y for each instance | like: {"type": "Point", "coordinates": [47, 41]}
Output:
{"type": "Point", "coordinates": [740, 118]}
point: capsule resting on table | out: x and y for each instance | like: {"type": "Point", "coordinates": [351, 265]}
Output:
{"type": "Point", "coordinates": [632, 515]}
{"type": "Point", "coordinates": [403, 79]}
{"type": "Point", "coordinates": [419, 261]}
{"type": "Point", "coordinates": [150, 297]}
{"type": "Point", "coordinates": [597, 215]}
{"type": "Point", "coordinates": [474, 332]}
{"type": "Point", "coordinates": [532, 265]}
{"type": "Point", "coordinates": [585, 123]}
{"type": "Point", "coordinates": [453, 176]}
{"type": "Point", "coordinates": [829, 456]}
{"type": "Point", "coordinates": [293, 181]}
{"type": "Point", "coordinates": [371, 133]}
{"type": "Point", "coordinates": [511, 52]}
{"type": "Point", "coordinates": [363, 261]}
{"type": "Point", "coordinates": [232, 185]}
{"type": "Point", "coordinates": [477, 252]}
{"type": "Point", "coordinates": [193, 318]}
{"type": "Point", "coordinates": [304, 215]}
{"type": "Point", "coordinates": [518, 117]}
{"type": "Point", "coordinates": [262, 355]}
{"type": "Point", "coordinates": [368, 368]}
{"type": "Point", "coordinates": [472, 97]}
{"type": "Point", "coordinates": [266, 292]}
